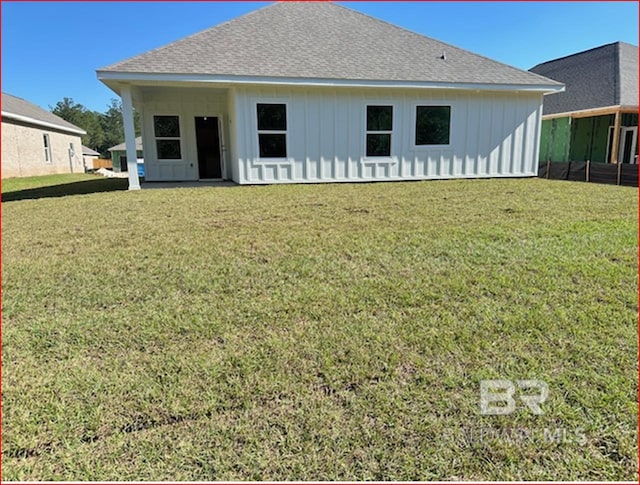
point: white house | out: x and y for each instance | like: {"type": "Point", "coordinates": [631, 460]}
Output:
{"type": "Point", "coordinates": [316, 92]}
{"type": "Point", "coordinates": [37, 142]}
{"type": "Point", "coordinates": [89, 156]}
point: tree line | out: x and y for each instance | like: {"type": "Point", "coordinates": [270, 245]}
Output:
{"type": "Point", "coordinates": [104, 130]}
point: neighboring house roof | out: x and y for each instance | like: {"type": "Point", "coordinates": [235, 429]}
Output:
{"type": "Point", "coordinates": [88, 151]}
{"type": "Point", "coordinates": [123, 146]}
{"type": "Point", "coordinates": [600, 77]}
{"type": "Point", "coordinates": [22, 110]}
{"type": "Point", "coordinates": [628, 61]}
{"type": "Point", "coordinates": [320, 41]}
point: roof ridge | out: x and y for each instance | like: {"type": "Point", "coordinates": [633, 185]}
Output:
{"type": "Point", "coordinates": [618, 42]}
{"type": "Point", "coordinates": [341, 43]}
{"type": "Point", "coordinates": [12, 95]}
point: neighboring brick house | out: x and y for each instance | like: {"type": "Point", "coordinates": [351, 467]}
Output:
{"type": "Point", "coordinates": [37, 142]}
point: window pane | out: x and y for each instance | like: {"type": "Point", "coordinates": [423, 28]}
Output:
{"type": "Point", "coordinates": [378, 145]}
{"type": "Point", "coordinates": [379, 118]}
{"type": "Point", "coordinates": [273, 145]}
{"type": "Point", "coordinates": [166, 126]}
{"type": "Point", "coordinates": [432, 125]}
{"type": "Point", "coordinates": [272, 117]}
{"type": "Point", "coordinates": [47, 153]}
{"type": "Point", "coordinates": [168, 149]}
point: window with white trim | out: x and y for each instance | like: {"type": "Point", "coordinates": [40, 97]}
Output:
{"type": "Point", "coordinates": [47, 148]}
{"type": "Point", "coordinates": [433, 125]}
{"type": "Point", "coordinates": [272, 130]}
{"type": "Point", "coordinates": [379, 130]}
{"type": "Point", "coordinates": [166, 130]}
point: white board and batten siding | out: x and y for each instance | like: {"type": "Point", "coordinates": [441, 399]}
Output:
{"type": "Point", "coordinates": [492, 134]}
{"type": "Point", "coordinates": [187, 104]}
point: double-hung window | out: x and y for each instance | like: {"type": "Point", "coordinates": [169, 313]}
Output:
{"type": "Point", "coordinates": [379, 130]}
{"type": "Point", "coordinates": [433, 125]}
{"type": "Point", "coordinates": [167, 133]}
{"type": "Point", "coordinates": [272, 130]}
{"type": "Point", "coordinates": [47, 148]}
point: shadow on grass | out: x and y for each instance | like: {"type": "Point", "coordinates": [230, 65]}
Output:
{"type": "Point", "coordinates": [74, 188]}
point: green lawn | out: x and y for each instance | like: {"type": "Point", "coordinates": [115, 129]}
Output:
{"type": "Point", "coordinates": [320, 332]}
{"type": "Point", "coordinates": [58, 185]}
{"type": "Point", "coordinates": [25, 183]}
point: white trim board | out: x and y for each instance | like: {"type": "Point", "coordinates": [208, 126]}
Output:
{"type": "Point", "coordinates": [260, 80]}
{"type": "Point", "coordinates": [46, 124]}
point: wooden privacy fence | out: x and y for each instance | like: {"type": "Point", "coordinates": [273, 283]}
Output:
{"type": "Point", "coordinates": [600, 173]}
{"type": "Point", "coordinates": [102, 163]}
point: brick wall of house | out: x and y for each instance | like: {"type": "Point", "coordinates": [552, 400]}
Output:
{"type": "Point", "coordinates": [23, 152]}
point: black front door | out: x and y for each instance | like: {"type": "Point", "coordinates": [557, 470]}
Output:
{"type": "Point", "coordinates": [208, 144]}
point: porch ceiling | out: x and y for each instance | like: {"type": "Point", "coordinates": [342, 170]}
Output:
{"type": "Point", "coordinates": [139, 87]}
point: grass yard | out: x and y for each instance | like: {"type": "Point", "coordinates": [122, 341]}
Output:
{"type": "Point", "coordinates": [15, 184]}
{"type": "Point", "coordinates": [320, 332]}
{"type": "Point", "coordinates": [58, 185]}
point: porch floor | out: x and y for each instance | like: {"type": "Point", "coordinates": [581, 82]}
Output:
{"type": "Point", "coordinates": [188, 184]}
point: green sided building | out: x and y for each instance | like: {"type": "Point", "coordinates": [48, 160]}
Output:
{"type": "Point", "coordinates": [596, 117]}
{"type": "Point", "coordinates": [119, 155]}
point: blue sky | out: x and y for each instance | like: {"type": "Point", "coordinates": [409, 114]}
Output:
{"type": "Point", "coordinates": [51, 49]}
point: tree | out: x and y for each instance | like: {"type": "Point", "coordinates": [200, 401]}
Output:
{"type": "Point", "coordinates": [69, 111]}
{"type": "Point", "coordinates": [77, 114]}
{"type": "Point", "coordinates": [104, 130]}
{"type": "Point", "coordinates": [113, 125]}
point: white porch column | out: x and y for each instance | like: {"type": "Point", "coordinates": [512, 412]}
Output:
{"type": "Point", "coordinates": [130, 138]}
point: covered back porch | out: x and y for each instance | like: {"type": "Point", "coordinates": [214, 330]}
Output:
{"type": "Point", "coordinates": [602, 135]}
{"type": "Point", "coordinates": [185, 130]}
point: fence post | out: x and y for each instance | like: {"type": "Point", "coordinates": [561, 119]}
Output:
{"type": "Point", "coordinates": [619, 170]}
{"type": "Point", "coordinates": [588, 166]}
{"type": "Point", "coordinates": [548, 167]}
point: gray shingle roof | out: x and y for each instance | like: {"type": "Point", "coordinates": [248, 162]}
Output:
{"type": "Point", "coordinates": [596, 78]}
{"type": "Point", "coordinates": [321, 40]}
{"type": "Point", "coordinates": [123, 146]}
{"type": "Point", "coordinates": [89, 151]}
{"type": "Point", "coordinates": [628, 68]}
{"type": "Point", "coordinates": [18, 108]}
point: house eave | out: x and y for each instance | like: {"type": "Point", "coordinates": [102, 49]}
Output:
{"type": "Point", "coordinates": [587, 113]}
{"type": "Point", "coordinates": [44, 124]}
{"type": "Point", "coordinates": [113, 79]}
